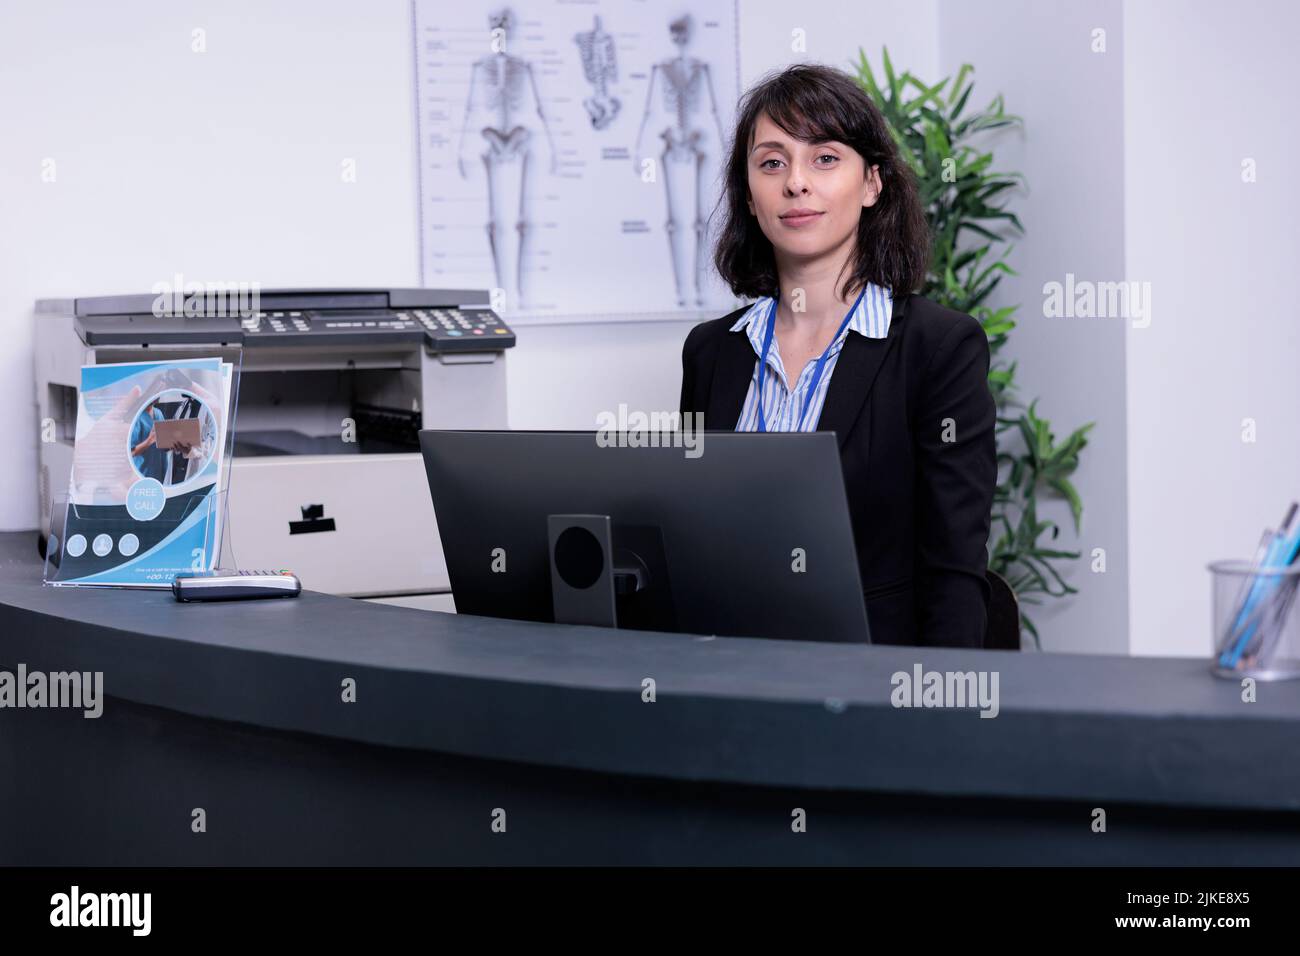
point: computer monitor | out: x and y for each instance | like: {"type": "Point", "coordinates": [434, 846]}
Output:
{"type": "Point", "coordinates": [746, 534]}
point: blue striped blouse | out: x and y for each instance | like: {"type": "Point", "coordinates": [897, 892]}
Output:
{"type": "Point", "coordinates": [781, 404]}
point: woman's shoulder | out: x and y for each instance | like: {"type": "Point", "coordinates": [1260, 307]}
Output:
{"type": "Point", "coordinates": [709, 333]}
{"type": "Point", "coordinates": [932, 326]}
{"type": "Point", "coordinates": [931, 320]}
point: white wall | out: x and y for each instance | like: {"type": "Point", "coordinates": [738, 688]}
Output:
{"type": "Point", "coordinates": [1204, 90]}
{"type": "Point", "coordinates": [1134, 162]}
{"type": "Point", "coordinates": [1070, 149]}
{"type": "Point", "coordinates": [226, 165]}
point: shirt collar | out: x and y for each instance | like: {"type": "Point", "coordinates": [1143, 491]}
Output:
{"type": "Point", "coordinates": [870, 318]}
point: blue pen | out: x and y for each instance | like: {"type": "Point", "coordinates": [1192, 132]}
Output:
{"type": "Point", "coordinates": [1247, 580]}
{"type": "Point", "coordinates": [1250, 588]}
{"type": "Point", "coordinates": [1271, 544]}
{"type": "Point", "coordinates": [1281, 552]}
{"type": "Point", "coordinates": [1277, 623]}
{"type": "Point", "coordinates": [1273, 620]}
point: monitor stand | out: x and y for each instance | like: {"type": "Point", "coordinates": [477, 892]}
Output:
{"type": "Point", "coordinates": [609, 575]}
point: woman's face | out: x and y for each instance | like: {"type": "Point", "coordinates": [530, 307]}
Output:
{"type": "Point", "coordinates": [786, 174]}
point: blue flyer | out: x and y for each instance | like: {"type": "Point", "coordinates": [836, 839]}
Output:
{"type": "Point", "coordinates": [145, 498]}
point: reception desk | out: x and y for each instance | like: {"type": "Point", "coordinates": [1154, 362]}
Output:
{"type": "Point", "coordinates": [480, 741]}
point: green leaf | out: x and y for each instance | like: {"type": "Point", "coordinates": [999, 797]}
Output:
{"type": "Point", "coordinates": [928, 94]}
{"type": "Point", "coordinates": [956, 109]}
{"type": "Point", "coordinates": [890, 78]}
{"type": "Point", "coordinates": [1065, 488]}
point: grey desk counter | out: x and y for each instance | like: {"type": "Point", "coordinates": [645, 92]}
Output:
{"type": "Point", "coordinates": [237, 708]}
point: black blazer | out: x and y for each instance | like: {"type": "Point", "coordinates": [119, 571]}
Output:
{"type": "Point", "coordinates": [920, 505]}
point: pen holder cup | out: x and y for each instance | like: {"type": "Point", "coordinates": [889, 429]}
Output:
{"type": "Point", "coordinates": [1256, 621]}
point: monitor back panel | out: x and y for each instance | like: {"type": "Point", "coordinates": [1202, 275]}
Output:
{"type": "Point", "coordinates": [755, 529]}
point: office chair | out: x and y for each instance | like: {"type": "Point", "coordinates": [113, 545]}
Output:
{"type": "Point", "coordinates": [1003, 630]}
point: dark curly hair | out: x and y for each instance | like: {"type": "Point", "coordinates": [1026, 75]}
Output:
{"type": "Point", "coordinates": [815, 103]}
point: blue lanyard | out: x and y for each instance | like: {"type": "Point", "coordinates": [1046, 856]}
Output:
{"type": "Point", "coordinates": [817, 371]}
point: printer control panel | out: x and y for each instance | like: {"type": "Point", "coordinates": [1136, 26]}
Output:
{"type": "Point", "coordinates": [447, 329]}
{"type": "Point", "coordinates": [303, 319]}
{"type": "Point", "coordinates": [451, 324]}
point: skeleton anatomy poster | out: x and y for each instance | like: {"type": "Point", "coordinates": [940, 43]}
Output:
{"type": "Point", "coordinates": [571, 152]}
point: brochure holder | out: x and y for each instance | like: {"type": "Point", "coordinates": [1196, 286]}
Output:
{"type": "Point", "coordinates": [88, 547]}
{"type": "Point", "coordinates": [165, 527]}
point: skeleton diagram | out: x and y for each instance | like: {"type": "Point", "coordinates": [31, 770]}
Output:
{"type": "Point", "coordinates": [599, 65]}
{"type": "Point", "coordinates": [682, 84]}
{"type": "Point", "coordinates": [500, 88]}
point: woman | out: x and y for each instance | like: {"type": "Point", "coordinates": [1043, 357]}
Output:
{"type": "Point", "coordinates": [824, 227]}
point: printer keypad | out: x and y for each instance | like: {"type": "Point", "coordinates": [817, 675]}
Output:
{"type": "Point", "coordinates": [455, 323]}
{"type": "Point", "coordinates": [441, 323]}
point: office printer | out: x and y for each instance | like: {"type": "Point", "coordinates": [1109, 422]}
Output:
{"type": "Point", "coordinates": [326, 477]}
